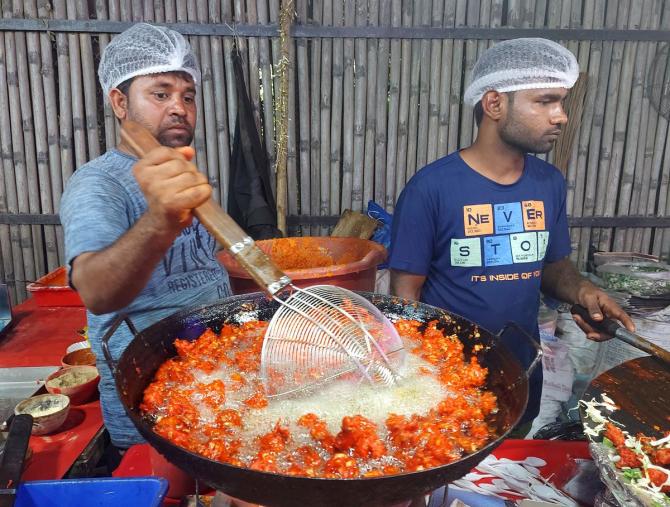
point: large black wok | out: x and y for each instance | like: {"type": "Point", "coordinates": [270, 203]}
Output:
{"type": "Point", "coordinates": [150, 348]}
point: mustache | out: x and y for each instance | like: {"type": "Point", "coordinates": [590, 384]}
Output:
{"type": "Point", "coordinates": [178, 123]}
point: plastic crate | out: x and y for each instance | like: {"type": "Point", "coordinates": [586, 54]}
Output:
{"type": "Point", "coordinates": [105, 492]}
{"type": "Point", "coordinates": [52, 290]}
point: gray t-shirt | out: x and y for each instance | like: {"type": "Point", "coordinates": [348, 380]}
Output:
{"type": "Point", "coordinates": [102, 200]}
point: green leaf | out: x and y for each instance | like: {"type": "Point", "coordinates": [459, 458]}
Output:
{"type": "Point", "coordinates": [608, 443]}
{"type": "Point", "coordinates": [632, 474]}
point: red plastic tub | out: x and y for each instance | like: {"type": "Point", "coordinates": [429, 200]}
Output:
{"type": "Point", "coordinates": [346, 262]}
{"type": "Point", "coordinates": [52, 290]}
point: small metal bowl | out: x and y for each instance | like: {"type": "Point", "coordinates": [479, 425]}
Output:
{"type": "Point", "coordinates": [49, 411]}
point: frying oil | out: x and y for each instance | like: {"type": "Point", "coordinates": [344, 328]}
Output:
{"type": "Point", "coordinates": [416, 393]}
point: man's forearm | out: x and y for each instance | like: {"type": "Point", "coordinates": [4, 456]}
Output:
{"type": "Point", "coordinates": [562, 281]}
{"type": "Point", "coordinates": [111, 278]}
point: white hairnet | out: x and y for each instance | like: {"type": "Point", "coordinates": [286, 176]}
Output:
{"type": "Point", "coordinates": [145, 49]}
{"type": "Point", "coordinates": [522, 64]}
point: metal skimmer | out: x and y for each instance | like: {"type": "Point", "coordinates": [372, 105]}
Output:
{"type": "Point", "coordinates": [322, 333]}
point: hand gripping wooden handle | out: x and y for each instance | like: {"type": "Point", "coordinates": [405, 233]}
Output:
{"type": "Point", "coordinates": [226, 231]}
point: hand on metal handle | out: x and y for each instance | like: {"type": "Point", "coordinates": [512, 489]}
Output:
{"type": "Point", "coordinates": [607, 326]}
{"type": "Point", "coordinates": [612, 328]}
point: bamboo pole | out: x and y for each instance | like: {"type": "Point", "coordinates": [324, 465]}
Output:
{"type": "Point", "coordinates": [315, 120]}
{"type": "Point", "coordinates": [220, 112]}
{"type": "Point", "coordinates": [188, 12]}
{"type": "Point", "coordinates": [456, 75]}
{"type": "Point", "coordinates": [76, 92]}
{"type": "Point", "coordinates": [275, 51]}
{"type": "Point", "coordinates": [424, 91]}
{"type": "Point", "coordinates": [393, 110]}
{"type": "Point", "coordinates": [11, 250]}
{"type": "Point", "coordinates": [467, 117]}
{"type": "Point", "coordinates": [599, 103]}
{"type": "Point", "coordinates": [266, 59]}
{"type": "Point", "coordinates": [284, 70]}
{"type": "Point", "coordinates": [208, 112]}
{"type": "Point", "coordinates": [403, 112]}
{"type": "Point", "coordinates": [90, 82]}
{"type": "Point", "coordinates": [485, 13]}
{"type": "Point", "coordinates": [49, 258]}
{"type": "Point", "coordinates": [348, 108]}
{"type": "Point", "coordinates": [360, 108]}
{"type": "Point", "coordinates": [620, 78]}
{"type": "Point", "coordinates": [293, 181]}
{"type": "Point", "coordinates": [51, 110]}
{"type": "Point", "coordinates": [381, 126]}
{"type": "Point", "coordinates": [589, 62]}
{"type": "Point", "coordinates": [637, 123]}
{"type": "Point", "coordinates": [18, 154]}
{"type": "Point", "coordinates": [28, 129]}
{"type": "Point", "coordinates": [108, 114]}
{"type": "Point", "coordinates": [415, 70]}
{"type": "Point", "coordinates": [231, 89]}
{"type": "Point", "coordinates": [137, 10]}
{"type": "Point", "coordinates": [325, 106]}
{"type": "Point", "coordinates": [434, 86]}
{"type": "Point", "coordinates": [241, 42]}
{"type": "Point", "coordinates": [539, 13]}
{"type": "Point", "coordinates": [371, 121]}
{"type": "Point", "coordinates": [653, 158]}
{"type": "Point", "coordinates": [661, 237]}
{"type": "Point", "coordinates": [158, 8]}
{"type": "Point", "coordinates": [254, 83]}
{"type": "Point", "coordinates": [304, 117]}
{"type": "Point", "coordinates": [171, 11]}
{"type": "Point", "coordinates": [66, 138]}
{"type": "Point", "coordinates": [336, 120]}
{"type": "Point", "coordinates": [448, 21]}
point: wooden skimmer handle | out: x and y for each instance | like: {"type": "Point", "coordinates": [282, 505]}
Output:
{"type": "Point", "coordinates": [226, 231]}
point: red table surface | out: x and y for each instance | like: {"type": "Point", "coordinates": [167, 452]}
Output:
{"type": "Point", "coordinates": [39, 337]}
{"type": "Point", "coordinates": [557, 454]}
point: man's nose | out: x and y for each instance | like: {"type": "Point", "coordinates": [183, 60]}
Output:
{"type": "Point", "coordinates": [559, 117]}
{"type": "Point", "coordinates": [178, 107]}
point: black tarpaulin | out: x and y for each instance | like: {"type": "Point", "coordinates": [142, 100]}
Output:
{"type": "Point", "coordinates": [250, 199]}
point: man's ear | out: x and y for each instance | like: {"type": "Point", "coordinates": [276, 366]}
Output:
{"type": "Point", "coordinates": [494, 104]}
{"type": "Point", "coordinates": [119, 103]}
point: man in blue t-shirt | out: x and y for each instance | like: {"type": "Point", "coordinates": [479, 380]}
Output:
{"type": "Point", "coordinates": [481, 231]}
{"type": "Point", "coordinates": [131, 241]}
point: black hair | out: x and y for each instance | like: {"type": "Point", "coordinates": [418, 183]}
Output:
{"type": "Point", "coordinates": [125, 86]}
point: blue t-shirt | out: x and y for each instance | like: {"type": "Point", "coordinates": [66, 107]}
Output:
{"type": "Point", "coordinates": [102, 200]}
{"type": "Point", "coordinates": [482, 245]}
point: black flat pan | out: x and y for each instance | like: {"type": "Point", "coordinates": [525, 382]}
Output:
{"type": "Point", "coordinates": [641, 390]}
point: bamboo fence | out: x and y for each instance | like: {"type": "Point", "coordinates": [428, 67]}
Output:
{"type": "Point", "coordinates": [364, 114]}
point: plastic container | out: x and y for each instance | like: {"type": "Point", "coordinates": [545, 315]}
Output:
{"type": "Point", "coordinates": [607, 257]}
{"type": "Point", "coordinates": [52, 290]}
{"type": "Point", "coordinates": [546, 321]}
{"type": "Point", "coordinates": [103, 492]}
{"type": "Point", "coordinates": [642, 279]}
{"type": "Point", "coordinates": [346, 262]}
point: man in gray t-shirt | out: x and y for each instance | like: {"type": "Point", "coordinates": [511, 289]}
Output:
{"type": "Point", "coordinates": [131, 241]}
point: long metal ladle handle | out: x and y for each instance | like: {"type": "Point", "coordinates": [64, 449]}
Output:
{"type": "Point", "coordinates": [610, 327]}
{"type": "Point", "coordinates": [226, 231]}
